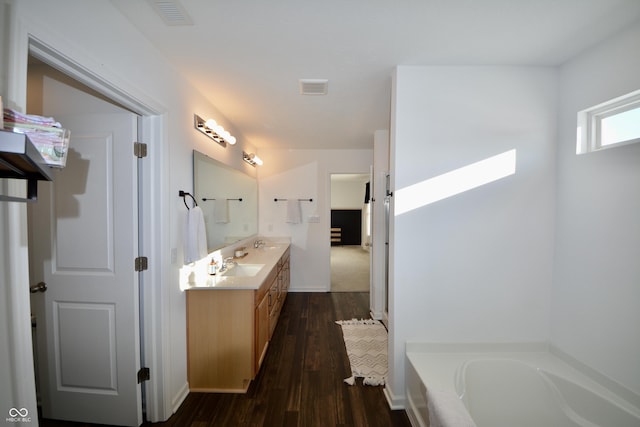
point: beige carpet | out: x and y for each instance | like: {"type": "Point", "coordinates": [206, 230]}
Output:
{"type": "Point", "coordinates": [349, 269]}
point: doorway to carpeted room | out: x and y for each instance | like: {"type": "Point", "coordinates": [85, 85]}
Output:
{"type": "Point", "coordinates": [349, 269]}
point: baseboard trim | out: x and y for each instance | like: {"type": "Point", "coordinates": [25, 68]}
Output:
{"type": "Point", "coordinates": [176, 402]}
{"type": "Point", "coordinates": [395, 402]}
{"type": "Point", "coordinates": [378, 315]}
{"type": "Point", "coordinates": [308, 290]}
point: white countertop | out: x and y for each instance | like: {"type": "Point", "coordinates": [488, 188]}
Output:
{"type": "Point", "coordinates": [269, 255]}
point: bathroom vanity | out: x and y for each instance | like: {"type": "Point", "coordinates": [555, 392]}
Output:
{"type": "Point", "coordinates": [231, 317]}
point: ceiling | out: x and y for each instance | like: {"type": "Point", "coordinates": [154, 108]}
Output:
{"type": "Point", "coordinates": [247, 56]}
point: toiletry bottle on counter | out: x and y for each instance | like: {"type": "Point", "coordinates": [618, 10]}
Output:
{"type": "Point", "coordinates": [213, 266]}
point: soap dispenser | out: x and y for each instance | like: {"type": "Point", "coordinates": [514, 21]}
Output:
{"type": "Point", "coordinates": [213, 267]}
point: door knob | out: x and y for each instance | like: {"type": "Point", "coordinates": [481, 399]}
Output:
{"type": "Point", "coordinates": [40, 287]}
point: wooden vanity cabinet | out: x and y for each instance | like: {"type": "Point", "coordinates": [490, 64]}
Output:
{"type": "Point", "coordinates": [228, 331]}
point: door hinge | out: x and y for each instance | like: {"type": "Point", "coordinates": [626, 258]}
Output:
{"type": "Point", "coordinates": [140, 149]}
{"type": "Point", "coordinates": [144, 374]}
{"type": "Point", "coordinates": [141, 263]}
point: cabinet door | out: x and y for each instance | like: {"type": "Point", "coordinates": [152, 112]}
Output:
{"type": "Point", "coordinates": [220, 339]}
{"type": "Point", "coordinates": [273, 306]}
{"type": "Point", "coordinates": [286, 277]}
{"type": "Point", "coordinates": [262, 331]}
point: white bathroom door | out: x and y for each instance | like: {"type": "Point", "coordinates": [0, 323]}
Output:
{"type": "Point", "coordinates": [85, 227]}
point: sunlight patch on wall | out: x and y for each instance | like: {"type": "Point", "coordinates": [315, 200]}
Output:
{"type": "Point", "coordinates": [455, 182]}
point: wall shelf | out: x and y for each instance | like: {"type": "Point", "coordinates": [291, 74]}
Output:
{"type": "Point", "coordinates": [20, 159]}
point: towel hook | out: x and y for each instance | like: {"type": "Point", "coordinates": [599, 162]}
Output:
{"type": "Point", "coordinates": [184, 194]}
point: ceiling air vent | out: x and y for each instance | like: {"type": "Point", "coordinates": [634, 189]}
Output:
{"type": "Point", "coordinates": [314, 86]}
{"type": "Point", "coordinates": [171, 12]}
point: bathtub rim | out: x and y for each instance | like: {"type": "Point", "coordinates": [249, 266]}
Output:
{"type": "Point", "coordinates": [452, 355]}
{"type": "Point", "coordinates": [546, 377]}
{"type": "Point", "coordinates": [613, 386]}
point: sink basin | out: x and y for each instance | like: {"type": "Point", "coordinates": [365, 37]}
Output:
{"type": "Point", "coordinates": [268, 248]}
{"type": "Point", "coordinates": [243, 270]}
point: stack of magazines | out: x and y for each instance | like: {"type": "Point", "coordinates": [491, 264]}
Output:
{"type": "Point", "coordinates": [48, 136]}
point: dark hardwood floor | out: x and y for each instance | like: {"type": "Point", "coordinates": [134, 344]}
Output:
{"type": "Point", "coordinates": [300, 381]}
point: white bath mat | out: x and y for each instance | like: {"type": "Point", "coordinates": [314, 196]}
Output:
{"type": "Point", "coordinates": [366, 344]}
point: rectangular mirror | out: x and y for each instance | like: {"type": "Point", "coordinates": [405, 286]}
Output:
{"type": "Point", "coordinates": [228, 198]}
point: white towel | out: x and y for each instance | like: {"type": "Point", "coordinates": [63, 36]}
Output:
{"type": "Point", "coordinates": [221, 211]}
{"type": "Point", "coordinates": [446, 409]}
{"type": "Point", "coordinates": [195, 236]}
{"type": "Point", "coordinates": [294, 214]}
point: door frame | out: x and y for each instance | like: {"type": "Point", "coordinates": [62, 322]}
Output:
{"type": "Point", "coordinates": [329, 192]}
{"type": "Point", "coordinates": [153, 178]}
{"type": "Point", "coordinates": [380, 230]}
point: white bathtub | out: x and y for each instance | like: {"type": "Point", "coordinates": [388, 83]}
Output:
{"type": "Point", "coordinates": [508, 389]}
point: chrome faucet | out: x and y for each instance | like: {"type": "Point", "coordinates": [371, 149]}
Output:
{"type": "Point", "coordinates": [226, 262]}
{"type": "Point", "coordinates": [258, 243]}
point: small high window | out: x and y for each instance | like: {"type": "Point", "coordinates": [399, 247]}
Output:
{"type": "Point", "coordinates": [612, 123]}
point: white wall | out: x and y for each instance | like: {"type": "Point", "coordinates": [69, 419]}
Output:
{"type": "Point", "coordinates": [103, 42]}
{"type": "Point", "coordinates": [596, 292]}
{"type": "Point", "coordinates": [17, 380]}
{"type": "Point", "coordinates": [475, 267]}
{"type": "Point", "coordinates": [304, 174]}
{"type": "Point", "coordinates": [347, 194]}
{"type": "Point", "coordinates": [17, 386]}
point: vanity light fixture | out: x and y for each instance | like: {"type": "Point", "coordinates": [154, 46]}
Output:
{"type": "Point", "coordinates": [252, 159]}
{"type": "Point", "coordinates": [213, 130]}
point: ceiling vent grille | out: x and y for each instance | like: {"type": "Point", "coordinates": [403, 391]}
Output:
{"type": "Point", "coordinates": [314, 86]}
{"type": "Point", "coordinates": [171, 12]}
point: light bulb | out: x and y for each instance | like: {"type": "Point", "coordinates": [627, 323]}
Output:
{"type": "Point", "coordinates": [256, 159]}
{"type": "Point", "coordinates": [211, 124]}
